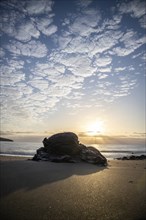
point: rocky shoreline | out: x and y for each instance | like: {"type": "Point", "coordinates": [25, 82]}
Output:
{"type": "Point", "coordinates": [132, 157]}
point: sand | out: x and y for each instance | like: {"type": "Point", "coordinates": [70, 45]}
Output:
{"type": "Point", "coordinates": [60, 191]}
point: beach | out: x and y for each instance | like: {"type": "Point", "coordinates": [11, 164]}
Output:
{"type": "Point", "coordinates": [71, 191]}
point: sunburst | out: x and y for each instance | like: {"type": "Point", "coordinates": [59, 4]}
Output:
{"type": "Point", "coordinates": [95, 128]}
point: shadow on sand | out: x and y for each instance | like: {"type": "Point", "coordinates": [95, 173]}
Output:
{"type": "Point", "coordinates": [28, 175]}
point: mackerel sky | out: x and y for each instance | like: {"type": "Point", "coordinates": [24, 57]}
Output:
{"type": "Point", "coordinates": [66, 63]}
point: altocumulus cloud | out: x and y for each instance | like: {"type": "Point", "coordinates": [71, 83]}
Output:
{"type": "Point", "coordinates": [30, 49]}
{"type": "Point", "coordinates": [48, 59]}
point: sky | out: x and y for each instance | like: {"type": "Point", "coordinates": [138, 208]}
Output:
{"type": "Point", "coordinates": [73, 65]}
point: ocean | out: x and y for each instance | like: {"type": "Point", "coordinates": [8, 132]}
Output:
{"type": "Point", "coordinates": [110, 151]}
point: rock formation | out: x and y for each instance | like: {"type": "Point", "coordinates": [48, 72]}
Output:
{"type": "Point", "coordinates": [132, 157]}
{"type": "Point", "coordinates": [5, 139]}
{"type": "Point", "coordinates": [65, 147]}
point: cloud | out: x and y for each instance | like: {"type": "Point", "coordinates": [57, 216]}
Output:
{"type": "Point", "coordinates": [82, 66]}
{"type": "Point", "coordinates": [85, 23]}
{"type": "Point", "coordinates": [39, 83]}
{"type": "Point", "coordinates": [8, 19]}
{"type": "Point", "coordinates": [106, 41]}
{"type": "Point", "coordinates": [105, 70]}
{"type": "Point", "coordinates": [119, 69]}
{"type": "Point", "coordinates": [26, 31]}
{"type": "Point", "coordinates": [9, 94]}
{"type": "Point", "coordinates": [102, 76]}
{"type": "Point", "coordinates": [50, 30]}
{"type": "Point", "coordinates": [68, 80]}
{"type": "Point", "coordinates": [102, 61]}
{"type": "Point", "coordinates": [30, 49]}
{"type": "Point", "coordinates": [114, 23]}
{"type": "Point", "coordinates": [47, 70]}
{"type": "Point", "coordinates": [19, 20]}
{"type": "Point", "coordinates": [78, 62]}
{"type": "Point", "coordinates": [45, 25]}
{"type": "Point", "coordinates": [11, 79]}
{"type": "Point", "coordinates": [23, 88]}
{"type": "Point", "coordinates": [37, 97]}
{"type": "Point", "coordinates": [131, 42]}
{"type": "Point", "coordinates": [142, 21]}
{"type": "Point", "coordinates": [84, 3]}
{"type": "Point", "coordinates": [64, 41]}
{"type": "Point", "coordinates": [2, 52]}
{"type": "Point", "coordinates": [39, 7]}
{"type": "Point", "coordinates": [76, 44]}
{"type": "Point", "coordinates": [135, 8]}
{"type": "Point", "coordinates": [139, 134]}
{"type": "Point", "coordinates": [11, 73]}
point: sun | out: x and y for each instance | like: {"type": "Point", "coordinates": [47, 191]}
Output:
{"type": "Point", "coordinates": [95, 128]}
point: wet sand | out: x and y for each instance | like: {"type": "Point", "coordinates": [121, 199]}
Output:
{"type": "Point", "coordinates": [68, 191]}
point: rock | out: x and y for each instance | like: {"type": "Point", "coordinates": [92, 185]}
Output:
{"type": "Point", "coordinates": [142, 157]}
{"type": "Point", "coordinates": [65, 147]}
{"type": "Point", "coordinates": [60, 159]}
{"type": "Point", "coordinates": [41, 155]}
{"type": "Point", "coordinates": [92, 155]}
{"type": "Point", "coordinates": [62, 143]}
{"type": "Point", "coordinates": [5, 139]}
{"type": "Point", "coordinates": [132, 157]}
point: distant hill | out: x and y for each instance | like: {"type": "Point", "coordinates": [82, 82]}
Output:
{"type": "Point", "coordinates": [5, 139]}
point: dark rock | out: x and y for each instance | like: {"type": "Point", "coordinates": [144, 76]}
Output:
{"type": "Point", "coordinates": [60, 159]}
{"type": "Point", "coordinates": [130, 181]}
{"type": "Point", "coordinates": [5, 139]}
{"type": "Point", "coordinates": [132, 157]}
{"type": "Point", "coordinates": [142, 157]}
{"type": "Point", "coordinates": [92, 155]}
{"type": "Point", "coordinates": [62, 143]}
{"type": "Point", "coordinates": [65, 147]}
{"type": "Point", "coordinates": [41, 155]}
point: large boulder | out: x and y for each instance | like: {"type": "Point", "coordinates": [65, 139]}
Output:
{"type": "Point", "coordinates": [65, 147]}
{"type": "Point", "coordinates": [62, 143]}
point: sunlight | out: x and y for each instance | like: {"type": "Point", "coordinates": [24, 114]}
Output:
{"type": "Point", "coordinates": [95, 128]}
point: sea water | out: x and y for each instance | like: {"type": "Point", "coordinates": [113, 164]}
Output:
{"type": "Point", "coordinates": [110, 151]}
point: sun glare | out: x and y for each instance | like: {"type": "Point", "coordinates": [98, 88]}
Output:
{"type": "Point", "coordinates": [95, 128]}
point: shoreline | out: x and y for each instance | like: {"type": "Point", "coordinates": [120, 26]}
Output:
{"type": "Point", "coordinates": [25, 149]}
{"type": "Point", "coordinates": [17, 157]}
{"type": "Point", "coordinates": [7, 157]}
{"type": "Point", "coordinates": [48, 190]}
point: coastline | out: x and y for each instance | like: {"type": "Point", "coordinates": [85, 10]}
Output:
{"type": "Point", "coordinates": [6, 157]}
{"type": "Point", "coordinates": [47, 190]}
{"type": "Point", "coordinates": [28, 149]}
